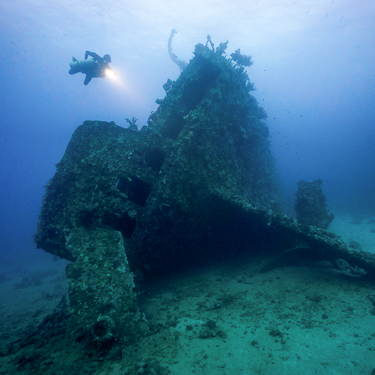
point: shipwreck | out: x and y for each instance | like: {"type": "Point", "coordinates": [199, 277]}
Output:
{"type": "Point", "coordinates": [197, 183]}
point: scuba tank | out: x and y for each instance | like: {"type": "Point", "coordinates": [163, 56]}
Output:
{"type": "Point", "coordinates": [83, 66]}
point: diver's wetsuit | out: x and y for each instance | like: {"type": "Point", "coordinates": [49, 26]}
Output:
{"type": "Point", "coordinates": [94, 67]}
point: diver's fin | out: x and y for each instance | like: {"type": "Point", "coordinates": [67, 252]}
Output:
{"type": "Point", "coordinates": [74, 59]}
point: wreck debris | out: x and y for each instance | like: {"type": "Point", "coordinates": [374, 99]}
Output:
{"type": "Point", "coordinates": [181, 64]}
{"type": "Point", "coordinates": [310, 204]}
{"type": "Point", "coordinates": [209, 41]}
{"type": "Point", "coordinates": [101, 291]}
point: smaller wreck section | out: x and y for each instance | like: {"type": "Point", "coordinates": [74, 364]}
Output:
{"type": "Point", "coordinates": [197, 184]}
{"type": "Point", "coordinates": [310, 205]}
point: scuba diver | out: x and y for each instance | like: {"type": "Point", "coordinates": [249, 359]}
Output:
{"type": "Point", "coordinates": [95, 67]}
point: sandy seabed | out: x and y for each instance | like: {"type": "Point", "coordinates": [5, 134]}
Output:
{"type": "Point", "coordinates": [222, 319]}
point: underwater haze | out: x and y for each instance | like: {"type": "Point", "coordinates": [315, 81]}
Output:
{"type": "Point", "coordinates": [314, 71]}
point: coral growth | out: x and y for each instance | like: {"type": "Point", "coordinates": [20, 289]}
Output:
{"type": "Point", "coordinates": [241, 60]}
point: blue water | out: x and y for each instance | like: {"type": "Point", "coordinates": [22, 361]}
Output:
{"type": "Point", "coordinates": [314, 70]}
